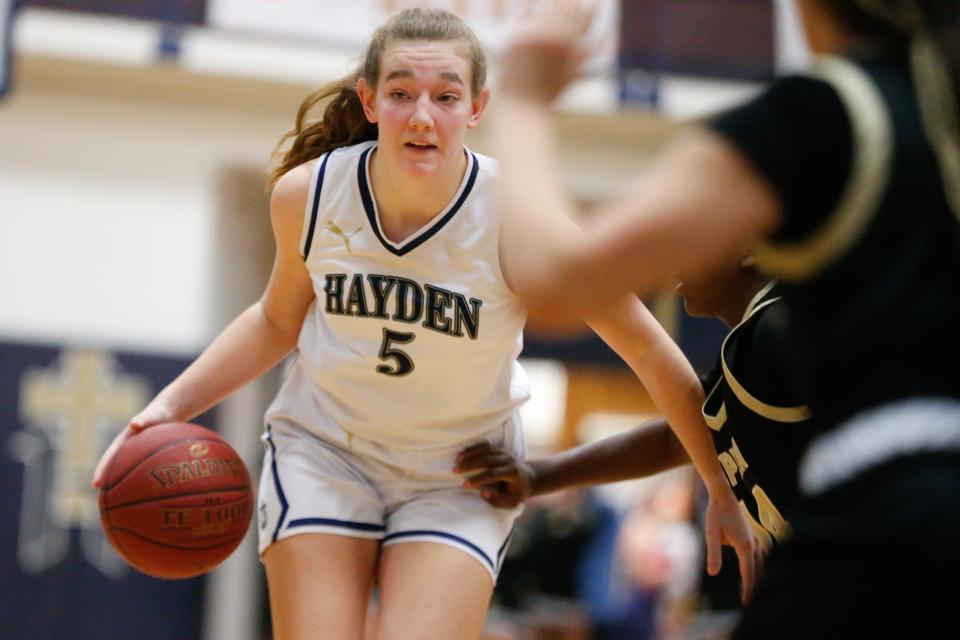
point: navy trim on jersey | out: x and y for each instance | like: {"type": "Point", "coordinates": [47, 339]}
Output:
{"type": "Point", "coordinates": [314, 209]}
{"type": "Point", "coordinates": [284, 505]}
{"type": "Point", "coordinates": [448, 536]}
{"type": "Point", "coordinates": [503, 547]}
{"type": "Point", "coordinates": [371, 210]}
{"type": "Point", "coordinates": [8, 12]}
{"type": "Point", "coordinates": [346, 524]}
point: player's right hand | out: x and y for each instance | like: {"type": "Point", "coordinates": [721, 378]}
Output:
{"type": "Point", "coordinates": [502, 480]}
{"type": "Point", "coordinates": [147, 418]}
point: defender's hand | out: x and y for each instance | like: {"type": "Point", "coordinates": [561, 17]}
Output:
{"type": "Point", "coordinates": [503, 480]}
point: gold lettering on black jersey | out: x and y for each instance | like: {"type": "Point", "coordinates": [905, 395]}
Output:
{"type": "Point", "coordinates": [767, 521]}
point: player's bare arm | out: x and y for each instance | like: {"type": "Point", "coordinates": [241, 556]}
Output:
{"type": "Point", "coordinates": [632, 331]}
{"type": "Point", "coordinates": [255, 341]}
{"type": "Point", "coordinates": [565, 268]}
{"type": "Point", "coordinates": [505, 481]}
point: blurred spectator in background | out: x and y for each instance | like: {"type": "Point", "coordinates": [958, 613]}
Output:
{"type": "Point", "coordinates": [581, 567]}
{"type": "Point", "coordinates": [555, 542]}
{"type": "Point", "coordinates": [658, 553]}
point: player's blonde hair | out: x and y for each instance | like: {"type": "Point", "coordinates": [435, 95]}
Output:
{"type": "Point", "coordinates": [932, 30]}
{"type": "Point", "coordinates": [343, 122]}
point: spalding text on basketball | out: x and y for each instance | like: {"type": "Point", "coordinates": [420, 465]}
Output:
{"type": "Point", "coordinates": [174, 474]}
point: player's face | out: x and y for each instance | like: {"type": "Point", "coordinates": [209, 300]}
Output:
{"type": "Point", "coordinates": [423, 105]}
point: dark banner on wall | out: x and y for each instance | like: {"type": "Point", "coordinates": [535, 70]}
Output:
{"type": "Point", "coordinates": [720, 38]}
{"type": "Point", "coordinates": [177, 11]}
{"type": "Point", "coordinates": [60, 578]}
{"type": "Point", "coordinates": [7, 10]}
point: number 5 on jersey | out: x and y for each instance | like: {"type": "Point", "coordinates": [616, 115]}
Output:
{"type": "Point", "coordinates": [402, 364]}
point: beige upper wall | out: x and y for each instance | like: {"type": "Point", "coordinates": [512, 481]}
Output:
{"type": "Point", "coordinates": [604, 149]}
{"type": "Point", "coordinates": [109, 201]}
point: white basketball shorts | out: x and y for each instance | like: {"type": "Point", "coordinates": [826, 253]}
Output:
{"type": "Point", "coordinates": [362, 489]}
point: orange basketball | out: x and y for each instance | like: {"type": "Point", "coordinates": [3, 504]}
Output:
{"type": "Point", "coordinates": [176, 500]}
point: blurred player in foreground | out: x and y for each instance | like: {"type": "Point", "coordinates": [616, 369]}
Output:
{"type": "Point", "coordinates": [846, 181]}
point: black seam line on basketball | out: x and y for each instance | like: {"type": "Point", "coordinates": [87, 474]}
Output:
{"type": "Point", "coordinates": [115, 540]}
{"type": "Point", "coordinates": [174, 546]}
{"type": "Point", "coordinates": [367, 199]}
{"type": "Point", "coordinates": [315, 207]}
{"type": "Point", "coordinates": [179, 495]}
{"type": "Point", "coordinates": [150, 453]}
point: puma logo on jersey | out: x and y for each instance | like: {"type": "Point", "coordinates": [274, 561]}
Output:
{"type": "Point", "coordinates": [403, 300]}
{"type": "Point", "coordinates": [340, 233]}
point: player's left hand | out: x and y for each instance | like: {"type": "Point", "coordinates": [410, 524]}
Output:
{"type": "Point", "coordinates": [502, 480]}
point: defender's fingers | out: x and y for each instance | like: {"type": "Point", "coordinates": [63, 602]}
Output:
{"type": "Point", "coordinates": [490, 476]}
{"type": "Point", "coordinates": [500, 500]}
{"type": "Point", "coordinates": [474, 451]}
{"type": "Point", "coordinates": [486, 461]}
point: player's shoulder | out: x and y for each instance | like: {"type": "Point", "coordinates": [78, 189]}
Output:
{"type": "Point", "coordinates": [290, 191]}
{"type": "Point", "coordinates": [292, 188]}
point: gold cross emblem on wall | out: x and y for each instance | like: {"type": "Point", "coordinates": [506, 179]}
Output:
{"type": "Point", "coordinates": [79, 404]}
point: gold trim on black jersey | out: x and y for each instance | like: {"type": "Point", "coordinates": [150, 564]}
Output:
{"type": "Point", "coordinates": [872, 153]}
{"type": "Point", "coordinates": [938, 112]}
{"type": "Point", "coordinates": [717, 421]}
{"type": "Point", "coordinates": [755, 300]}
{"type": "Point", "coordinates": [759, 407]}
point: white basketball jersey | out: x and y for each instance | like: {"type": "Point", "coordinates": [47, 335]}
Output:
{"type": "Point", "coordinates": [409, 344]}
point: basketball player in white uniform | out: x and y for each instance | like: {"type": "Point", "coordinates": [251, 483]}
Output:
{"type": "Point", "coordinates": [408, 351]}
{"type": "Point", "coordinates": [387, 281]}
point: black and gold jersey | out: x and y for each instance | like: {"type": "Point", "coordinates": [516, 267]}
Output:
{"type": "Point", "coordinates": [866, 251]}
{"type": "Point", "coordinates": [760, 426]}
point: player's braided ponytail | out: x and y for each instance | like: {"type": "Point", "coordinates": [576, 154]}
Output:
{"type": "Point", "coordinates": [933, 27]}
{"type": "Point", "coordinates": [344, 122]}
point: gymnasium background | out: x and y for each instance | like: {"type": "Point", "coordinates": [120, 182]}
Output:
{"type": "Point", "coordinates": [133, 226]}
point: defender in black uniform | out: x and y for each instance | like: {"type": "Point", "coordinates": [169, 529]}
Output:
{"type": "Point", "coordinates": [847, 182]}
{"type": "Point", "coordinates": [759, 424]}
{"type": "Point", "coordinates": [868, 253]}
